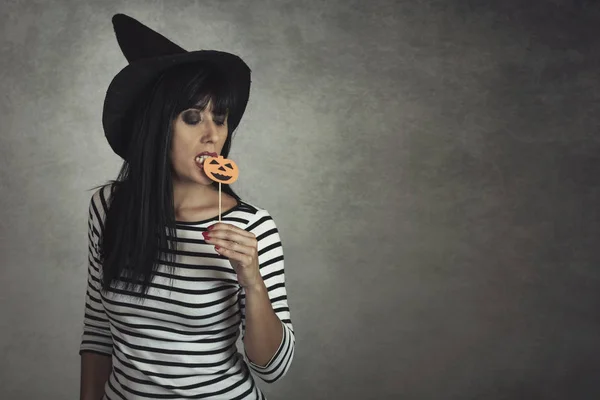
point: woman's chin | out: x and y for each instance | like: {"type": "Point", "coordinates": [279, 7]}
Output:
{"type": "Point", "coordinates": [201, 178]}
{"type": "Point", "coordinates": [196, 176]}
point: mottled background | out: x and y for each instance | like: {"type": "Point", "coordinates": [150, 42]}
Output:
{"type": "Point", "coordinates": [433, 167]}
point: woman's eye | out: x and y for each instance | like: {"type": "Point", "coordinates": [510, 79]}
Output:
{"type": "Point", "coordinates": [191, 117]}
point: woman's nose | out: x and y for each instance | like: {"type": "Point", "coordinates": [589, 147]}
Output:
{"type": "Point", "coordinates": [211, 132]}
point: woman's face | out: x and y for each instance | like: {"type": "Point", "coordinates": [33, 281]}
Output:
{"type": "Point", "coordinates": [196, 133]}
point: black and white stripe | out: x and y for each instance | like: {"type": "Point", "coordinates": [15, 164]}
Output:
{"type": "Point", "coordinates": [180, 342]}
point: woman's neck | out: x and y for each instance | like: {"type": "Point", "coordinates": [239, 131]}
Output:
{"type": "Point", "coordinates": [193, 195]}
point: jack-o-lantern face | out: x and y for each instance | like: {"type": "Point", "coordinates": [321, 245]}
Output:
{"type": "Point", "coordinates": [221, 169]}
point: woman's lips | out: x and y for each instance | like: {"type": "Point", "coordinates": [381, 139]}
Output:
{"type": "Point", "coordinates": [207, 153]}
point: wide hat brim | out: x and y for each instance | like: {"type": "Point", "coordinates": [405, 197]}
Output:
{"type": "Point", "coordinates": [150, 54]}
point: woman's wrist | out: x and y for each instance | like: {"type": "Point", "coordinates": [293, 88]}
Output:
{"type": "Point", "coordinates": [257, 288]}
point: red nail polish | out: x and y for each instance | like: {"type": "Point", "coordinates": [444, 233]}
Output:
{"type": "Point", "coordinates": [217, 247]}
{"type": "Point", "coordinates": [210, 227]}
{"type": "Point", "coordinates": [205, 234]}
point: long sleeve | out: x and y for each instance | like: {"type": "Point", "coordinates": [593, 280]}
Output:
{"type": "Point", "coordinates": [96, 335]}
{"type": "Point", "coordinates": [271, 262]}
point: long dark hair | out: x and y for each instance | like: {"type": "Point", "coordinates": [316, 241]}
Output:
{"type": "Point", "coordinates": [139, 229]}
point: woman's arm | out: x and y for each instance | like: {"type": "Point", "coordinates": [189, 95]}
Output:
{"type": "Point", "coordinates": [264, 331]}
{"type": "Point", "coordinates": [267, 331]}
{"type": "Point", "coordinates": [95, 370]}
{"type": "Point", "coordinates": [96, 341]}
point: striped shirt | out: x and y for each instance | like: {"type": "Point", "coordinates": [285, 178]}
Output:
{"type": "Point", "coordinates": [180, 342]}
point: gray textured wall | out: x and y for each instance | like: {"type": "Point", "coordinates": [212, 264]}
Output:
{"type": "Point", "coordinates": [433, 167]}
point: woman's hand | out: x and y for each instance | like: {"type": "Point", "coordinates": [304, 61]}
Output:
{"type": "Point", "coordinates": [240, 247]}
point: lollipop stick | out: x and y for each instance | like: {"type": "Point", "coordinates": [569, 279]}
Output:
{"type": "Point", "coordinates": [219, 201]}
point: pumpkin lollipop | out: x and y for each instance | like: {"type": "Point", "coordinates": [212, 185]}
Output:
{"type": "Point", "coordinates": [222, 170]}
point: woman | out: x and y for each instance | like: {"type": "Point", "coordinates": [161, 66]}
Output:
{"type": "Point", "coordinates": [168, 285]}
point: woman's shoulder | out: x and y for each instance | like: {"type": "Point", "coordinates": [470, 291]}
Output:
{"type": "Point", "coordinates": [250, 208]}
{"type": "Point", "coordinates": [103, 193]}
{"type": "Point", "coordinates": [101, 198]}
{"type": "Point", "coordinates": [98, 205]}
{"type": "Point", "coordinates": [254, 214]}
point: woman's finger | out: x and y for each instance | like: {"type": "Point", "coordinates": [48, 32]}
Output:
{"type": "Point", "coordinates": [232, 246]}
{"type": "Point", "coordinates": [233, 235]}
{"type": "Point", "coordinates": [243, 259]}
{"type": "Point", "coordinates": [229, 227]}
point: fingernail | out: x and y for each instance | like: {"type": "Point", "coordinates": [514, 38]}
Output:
{"type": "Point", "coordinates": [205, 234]}
{"type": "Point", "coordinates": [210, 227]}
{"type": "Point", "coordinates": [217, 248]}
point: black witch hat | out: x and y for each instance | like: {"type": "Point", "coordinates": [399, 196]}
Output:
{"type": "Point", "coordinates": [150, 54]}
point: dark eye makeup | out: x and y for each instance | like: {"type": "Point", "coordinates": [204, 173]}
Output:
{"type": "Point", "coordinates": [193, 116]}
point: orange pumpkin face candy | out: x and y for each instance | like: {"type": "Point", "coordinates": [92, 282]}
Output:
{"type": "Point", "coordinates": [220, 169]}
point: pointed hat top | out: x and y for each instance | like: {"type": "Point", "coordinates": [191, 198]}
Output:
{"type": "Point", "coordinates": [137, 41]}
